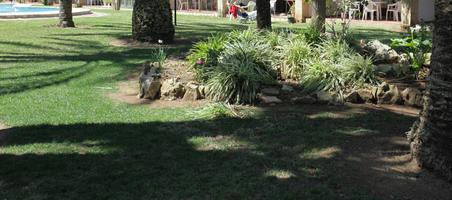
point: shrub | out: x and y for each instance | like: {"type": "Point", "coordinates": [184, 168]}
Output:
{"type": "Point", "coordinates": [336, 68]}
{"type": "Point", "coordinates": [204, 56]}
{"type": "Point", "coordinates": [415, 47]}
{"type": "Point", "coordinates": [237, 81]}
{"type": "Point", "coordinates": [312, 35]}
{"type": "Point", "coordinates": [249, 46]}
{"type": "Point", "coordinates": [294, 56]}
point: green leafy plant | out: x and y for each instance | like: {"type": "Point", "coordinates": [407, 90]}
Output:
{"type": "Point", "coordinates": [415, 46]}
{"type": "Point", "coordinates": [335, 68]}
{"type": "Point", "coordinates": [250, 46]}
{"type": "Point", "coordinates": [237, 81]}
{"type": "Point", "coordinates": [159, 55]}
{"type": "Point", "coordinates": [294, 56]}
{"type": "Point", "coordinates": [312, 35]}
{"type": "Point", "coordinates": [204, 56]}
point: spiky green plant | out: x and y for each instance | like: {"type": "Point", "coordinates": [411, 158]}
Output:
{"type": "Point", "coordinates": [294, 56]}
{"type": "Point", "coordinates": [237, 81]}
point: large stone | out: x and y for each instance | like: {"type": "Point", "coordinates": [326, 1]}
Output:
{"type": "Point", "coordinates": [366, 95]}
{"type": "Point", "coordinates": [412, 97]}
{"type": "Point", "coordinates": [389, 94]}
{"type": "Point", "coordinates": [270, 91]}
{"type": "Point", "coordinates": [353, 97]}
{"type": "Point", "coordinates": [287, 88]}
{"type": "Point", "coordinates": [269, 99]}
{"type": "Point", "coordinates": [149, 81]}
{"type": "Point", "coordinates": [308, 99]}
{"type": "Point", "coordinates": [387, 68]}
{"type": "Point", "coordinates": [172, 89]}
{"type": "Point", "coordinates": [381, 52]}
{"type": "Point", "coordinates": [324, 97]}
{"type": "Point", "coordinates": [191, 92]}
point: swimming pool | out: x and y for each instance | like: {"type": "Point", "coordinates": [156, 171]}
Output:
{"type": "Point", "coordinates": [18, 11]}
{"type": "Point", "coordinates": [12, 8]}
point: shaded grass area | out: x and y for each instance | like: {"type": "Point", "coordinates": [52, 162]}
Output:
{"type": "Point", "coordinates": [271, 155]}
{"type": "Point", "coordinates": [69, 141]}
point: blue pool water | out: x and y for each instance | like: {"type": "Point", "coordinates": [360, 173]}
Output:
{"type": "Point", "coordinates": [9, 8]}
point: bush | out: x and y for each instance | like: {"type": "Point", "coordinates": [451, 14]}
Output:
{"type": "Point", "coordinates": [204, 56]}
{"type": "Point", "coordinates": [293, 57]}
{"type": "Point", "coordinates": [250, 46]}
{"type": "Point", "coordinates": [335, 68]}
{"type": "Point", "coordinates": [237, 81]}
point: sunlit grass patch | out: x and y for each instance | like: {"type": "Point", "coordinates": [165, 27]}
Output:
{"type": "Point", "coordinates": [86, 147]}
{"type": "Point", "coordinates": [280, 174]}
{"type": "Point", "coordinates": [222, 143]}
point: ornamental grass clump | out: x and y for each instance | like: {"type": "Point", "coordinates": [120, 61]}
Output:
{"type": "Point", "coordinates": [237, 81]}
{"type": "Point", "coordinates": [336, 67]}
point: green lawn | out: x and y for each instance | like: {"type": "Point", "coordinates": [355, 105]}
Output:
{"type": "Point", "coordinates": [69, 141]}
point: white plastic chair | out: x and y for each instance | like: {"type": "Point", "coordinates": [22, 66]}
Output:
{"type": "Point", "coordinates": [395, 9]}
{"type": "Point", "coordinates": [355, 8]}
{"type": "Point", "coordinates": [371, 8]}
{"type": "Point", "coordinates": [181, 4]}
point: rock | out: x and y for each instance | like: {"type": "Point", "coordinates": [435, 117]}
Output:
{"type": "Point", "coordinates": [308, 99]}
{"type": "Point", "coordinates": [172, 89]}
{"type": "Point", "coordinates": [149, 81]}
{"type": "Point", "coordinates": [270, 91]}
{"type": "Point", "coordinates": [388, 94]}
{"type": "Point", "coordinates": [269, 99]}
{"type": "Point", "coordinates": [381, 52]}
{"type": "Point", "coordinates": [412, 97]}
{"type": "Point", "coordinates": [387, 68]}
{"type": "Point", "coordinates": [427, 57]}
{"type": "Point", "coordinates": [367, 95]}
{"type": "Point", "coordinates": [287, 88]}
{"type": "Point", "coordinates": [353, 97]}
{"type": "Point", "coordinates": [324, 97]}
{"type": "Point", "coordinates": [191, 92]}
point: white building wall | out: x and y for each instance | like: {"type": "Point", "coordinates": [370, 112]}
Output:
{"type": "Point", "coordinates": [426, 10]}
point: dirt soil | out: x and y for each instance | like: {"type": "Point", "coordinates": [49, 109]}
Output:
{"type": "Point", "coordinates": [381, 163]}
{"type": "Point", "coordinates": [129, 42]}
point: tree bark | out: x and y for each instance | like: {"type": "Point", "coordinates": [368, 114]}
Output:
{"type": "Point", "coordinates": [264, 19]}
{"type": "Point", "coordinates": [318, 14]}
{"type": "Point", "coordinates": [66, 14]}
{"type": "Point", "coordinates": [117, 4]}
{"type": "Point", "coordinates": [431, 135]}
{"type": "Point", "coordinates": [152, 21]}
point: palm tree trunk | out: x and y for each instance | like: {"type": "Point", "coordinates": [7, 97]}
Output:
{"type": "Point", "coordinates": [152, 21]}
{"type": "Point", "coordinates": [264, 20]}
{"type": "Point", "coordinates": [318, 14]}
{"type": "Point", "coordinates": [66, 14]}
{"type": "Point", "coordinates": [431, 134]}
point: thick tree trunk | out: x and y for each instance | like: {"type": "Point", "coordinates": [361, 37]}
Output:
{"type": "Point", "coordinates": [318, 14]}
{"type": "Point", "coordinates": [264, 19]}
{"type": "Point", "coordinates": [66, 14]}
{"type": "Point", "coordinates": [117, 4]}
{"type": "Point", "coordinates": [152, 21]}
{"type": "Point", "coordinates": [431, 134]}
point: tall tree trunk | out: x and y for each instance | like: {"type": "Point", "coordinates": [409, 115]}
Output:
{"type": "Point", "coordinates": [117, 4]}
{"type": "Point", "coordinates": [264, 18]}
{"type": "Point", "coordinates": [318, 14]}
{"type": "Point", "coordinates": [431, 135]}
{"type": "Point", "coordinates": [152, 21]}
{"type": "Point", "coordinates": [66, 14]}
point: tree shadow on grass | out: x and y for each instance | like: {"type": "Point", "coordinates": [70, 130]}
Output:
{"type": "Point", "coordinates": [273, 155]}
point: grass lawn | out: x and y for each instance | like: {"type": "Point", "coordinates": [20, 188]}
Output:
{"type": "Point", "coordinates": [69, 141]}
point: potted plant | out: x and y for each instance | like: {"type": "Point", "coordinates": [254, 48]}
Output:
{"type": "Point", "coordinates": [290, 19]}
